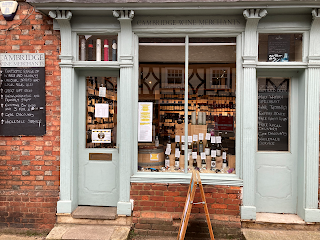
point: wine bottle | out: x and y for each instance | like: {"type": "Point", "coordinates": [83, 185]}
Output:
{"type": "Point", "coordinates": [224, 159]}
{"type": "Point", "coordinates": [213, 163]}
{"type": "Point", "coordinates": [106, 50]}
{"type": "Point", "coordinates": [219, 146]}
{"type": "Point", "coordinates": [169, 142]}
{"type": "Point", "coordinates": [114, 50]}
{"type": "Point", "coordinates": [90, 50]}
{"type": "Point", "coordinates": [167, 162]}
{"type": "Point", "coordinates": [207, 149]}
{"type": "Point", "coordinates": [203, 164]}
{"type": "Point", "coordinates": [200, 146]}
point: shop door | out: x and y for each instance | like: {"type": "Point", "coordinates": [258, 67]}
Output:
{"type": "Point", "coordinates": [276, 158]}
{"type": "Point", "coordinates": [98, 152]}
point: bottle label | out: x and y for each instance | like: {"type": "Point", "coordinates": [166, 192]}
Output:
{"type": "Point", "coordinates": [218, 153]}
{"type": "Point", "coordinates": [207, 151]}
{"type": "Point", "coordinates": [182, 147]}
{"type": "Point", "coordinates": [224, 165]}
{"type": "Point", "coordinates": [213, 164]}
{"type": "Point", "coordinates": [213, 153]}
{"type": "Point", "coordinates": [167, 163]}
{"type": "Point", "coordinates": [200, 148]}
{"type": "Point", "coordinates": [176, 164]}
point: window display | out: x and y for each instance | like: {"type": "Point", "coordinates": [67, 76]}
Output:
{"type": "Point", "coordinates": [98, 48]}
{"type": "Point", "coordinates": [279, 47]}
{"type": "Point", "coordinates": [211, 101]}
{"type": "Point", "coordinates": [101, 112]}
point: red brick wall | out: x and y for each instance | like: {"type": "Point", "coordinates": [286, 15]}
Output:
{"type": "Point", "coordinates": [29, 166]}
{"type": "Point", "coordinates": [158, 208]}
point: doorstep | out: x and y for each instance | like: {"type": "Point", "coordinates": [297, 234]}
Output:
{"type": "Point", "coordinates": [280, 222]}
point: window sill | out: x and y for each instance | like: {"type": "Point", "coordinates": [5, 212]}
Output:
{"type": "Point", "coordinates": [282, 65]}
{"type": "Point", "coordinates": [210, 179]}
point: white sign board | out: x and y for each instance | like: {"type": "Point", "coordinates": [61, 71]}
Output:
{"type": "Point", "coordinates": [145, 122]}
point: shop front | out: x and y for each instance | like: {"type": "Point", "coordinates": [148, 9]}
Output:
{"type": "Point", "coordinates": [151, 91]}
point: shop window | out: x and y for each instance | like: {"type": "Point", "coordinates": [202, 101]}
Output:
{"type": "Point", "coordinates": [98, 48]}
{"type": "Point", "coordinates": [279, 47]}
{"type": "Point", "coordinates": [211, 79]}
{"type": "Point", "coordinates": [101, 124]}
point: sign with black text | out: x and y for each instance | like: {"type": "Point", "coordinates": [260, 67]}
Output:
{"type": "Point", "coordinates": [273, 114]}
{"type": "Point", "coordinates": [22, 100]}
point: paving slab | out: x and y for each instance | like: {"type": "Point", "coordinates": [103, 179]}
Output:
{"type": "Point", "coordinates": [88, 232]}
{"type": "Point", "coordinates": [91, 212]}
{"type": "Point", "coordinates": [17, 237]}
{"type": "Point", "coordinates": [253, 234]}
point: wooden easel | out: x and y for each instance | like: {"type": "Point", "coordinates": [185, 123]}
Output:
{"type": "Point", "coordinates": [195, 180]}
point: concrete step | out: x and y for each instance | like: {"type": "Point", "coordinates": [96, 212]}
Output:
{"type": "Point", "coordinates": [88, 232]}
{"type": "Point", "coordinates": [272, 221]}
{"type": "Point", "coordinates": [92, 212]}
{"type": "Point", "coordinates": [255, 234]}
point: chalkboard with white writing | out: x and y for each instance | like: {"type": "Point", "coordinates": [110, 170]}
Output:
{"type": "Point", "coordinates": [273, 114]}
{"type": "Point", "coordinates": [22, 102]}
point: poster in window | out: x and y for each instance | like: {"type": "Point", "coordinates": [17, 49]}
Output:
{"type": "Point", "coordinates": [145, 122]}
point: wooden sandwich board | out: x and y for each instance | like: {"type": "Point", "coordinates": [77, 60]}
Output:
{"type": "Point", "coordinates": [194, 182]}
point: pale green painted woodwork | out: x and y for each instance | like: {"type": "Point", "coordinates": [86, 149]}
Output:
{"type": "Point", "coordinates": [98, 181]}
{"type": "Point", "coordinates": [247, 65]}
{"type": "Point", "coordinates": [276, 171]}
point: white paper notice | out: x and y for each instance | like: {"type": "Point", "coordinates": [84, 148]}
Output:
{"type": "Point", "coordinates": [218, 139]}
{"type": "Point", "coordinates": [189, 138]}
{"type": "Point", "coordinates": [194, 155]}
{"type": "Point", "coordinates": [101, 110]}
{"type": "Point", "coordinates": [145, 122]}
{"type": "Point", "coordinates": [101, 135]}
{"type": "Point", "coordinates": [182, 138]}
{"type": "Point", "coordinates": [213, 139]}
{"type": "Point", "coordinates": [177, 138]}
{"type": "Point", "coordinates": [102, 91]}
{"type": "Point", "coordinates": [203, 155]}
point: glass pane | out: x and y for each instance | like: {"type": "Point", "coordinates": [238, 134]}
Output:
{"type": "Point", "coordinates": [212, 99]}
{"type": "Point", "coordinates": [98, 48]}
{"type": "Point", "coordinates": [212, 87]}
{"type": "Point", "coordinates": [280, 47]}
{"type": "Point", "coordinates": [101, 124]}
{"type": "Point", "coordinates": [273, 114]}
{"type": "Point", "coordinates": [162, 84]}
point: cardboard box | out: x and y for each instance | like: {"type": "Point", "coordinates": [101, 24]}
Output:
{"type": "Point", "coordinates": [232, 161]}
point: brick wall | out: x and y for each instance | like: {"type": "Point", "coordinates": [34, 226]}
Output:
{"type": "Point", "coordinates": [29, 165]}
{"type": "Point", "coordinates": [158, 208]}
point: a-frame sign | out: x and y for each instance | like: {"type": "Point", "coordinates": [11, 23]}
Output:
{"type": "Point", "coordinates": [194, 182]}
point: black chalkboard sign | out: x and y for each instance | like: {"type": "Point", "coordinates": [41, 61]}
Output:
{"type": "Point", "coordinates": [278, 47]}
{"type": "Point", "coordinates": [22, 102]}
{"type": "Point", "coordinates": [273, 114]}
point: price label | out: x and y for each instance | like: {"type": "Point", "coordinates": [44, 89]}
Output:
{"type": "Point", "coordinates": [203, 155]}
{"type": "Point", "coordinates": [168, 151]}
{"type": "Point", "coordinates": [177, 138]}
{"type": "Point", "coordinates": [177, 153]}
{"type": "Point", "coordinates": [189, 138]}
{"type": "Point", "coordinates": [218, 139]}
{"type": "Point", "coordinates": [200, 136]}
{"type": "Point", "coordinates": [194, 155]}
{"type": "Point", "coordinates": [208, 136]}
{"type": "Point", "coordinates": [213, 153]}
{"type": "Point", "coordinates": [213, 139]}
{"type": "Point", "coordinates": [195, 138]}
{"type": "Point", "coordinates": [224, 155]}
